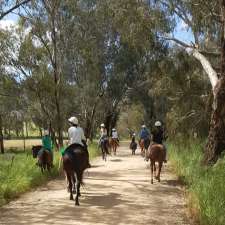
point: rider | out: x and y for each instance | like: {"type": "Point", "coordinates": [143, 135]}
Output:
{"type": "Point", "coordinates": [115, 135]}
{"type": "Point", "coordinates": [158, 136]}
{"type": "Point", "coordinates": [46, 146]}
{"type": "Point", "coordinates": [76, 136]}
{"type": "Point", "coordinates": [103, 135]}
{"type": "Point", "coordinates": [145, 135]}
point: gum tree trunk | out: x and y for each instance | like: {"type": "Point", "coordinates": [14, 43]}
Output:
{"type": "Point", "coordinates": [216, 140]}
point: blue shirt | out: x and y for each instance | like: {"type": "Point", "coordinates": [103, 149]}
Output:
{"type": "Point", "coordinates": [144, 133]}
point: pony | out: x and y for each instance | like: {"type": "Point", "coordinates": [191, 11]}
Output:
{"type": "Point", "coordinates": [104, 145]}
{"type": "Point", "coordinates": [156, 153]}
{"type": "Point", "coordinates": [144, 144]}
{"type": "Point", "coordinates": [75, 161]}
{"type": "Point", "coordinates": [133, 146]}
{"type": "Point", "coordinates": [44, 158]}
{"type": "Point", "coordinates": [113, 143]}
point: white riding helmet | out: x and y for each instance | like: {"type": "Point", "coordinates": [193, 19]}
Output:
{"type": "Point", "coordinates": [143, 126]}
{"type": "Point", "coordinates": [102, 125]}
{"type": "Point", "coordinates": [158, 124]}
{"type": "Point", "coordinates": [114, 129]}
{"type": "Point", "coordinates": [46, 132]}
{"type": "Point", "coordinates": [73, 120]}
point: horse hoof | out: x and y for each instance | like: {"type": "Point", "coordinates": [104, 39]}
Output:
{"type": "Point", "coordinates": [71, 199]}
{"type": "Point", "coordinates": [77, 203]}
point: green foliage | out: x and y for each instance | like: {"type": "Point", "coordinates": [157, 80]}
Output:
{"type": "Point", "coordinates": [205, 185]}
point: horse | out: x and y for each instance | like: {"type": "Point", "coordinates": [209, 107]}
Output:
{"type": "Point", "coordinates": [75, 161]}
{"type": "Point", "coordinates": [144, 144]}
{"type": "Point", "coordinates": [104, 144]}
{"type": "Point", "coordinates": [35, 149]}
{"type": "Point", "coordinates": [133, 146]}
{"type": "Point", "coordinates": [44, 159]}
{"type": "Point", "coordinates": [156, 153]}
{"type": "Point", "coordinates": [113, 143]}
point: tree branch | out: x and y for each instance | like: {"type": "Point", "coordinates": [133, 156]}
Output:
{"type": "Point", "coordinates": [13, 8]}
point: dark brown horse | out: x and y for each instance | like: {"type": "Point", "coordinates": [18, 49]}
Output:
{"type": "Point", "coordinates": [104, 145]}
{"type": "Point", "coordinates": [75, 161]}
{"type": "Point", "coordinates": [156, 153]}
{"type": "Point", "coordinates": [44, 159]}
{"type": "Point", "coordinates": [133, 146]}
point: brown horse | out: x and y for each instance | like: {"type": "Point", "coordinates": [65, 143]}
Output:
{"type": "Point", "coordinates": [75, 161]}
{"type": "Point", "coordinates": [133, 146]}
{"type": "Point", "coordinates": [104, 145]}
{"type": "Point", "coordinates": [44, 159]}
{"type": "Point", "coordinates": [156, 153]}
{"type": "Point", "coordinates": [113, 143]}
{"type": "Point", "coordinates": [144, 144]}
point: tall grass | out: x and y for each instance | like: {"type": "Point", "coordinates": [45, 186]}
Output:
{"type": "Point", "coordinates": [206, 185]}
{"type": "Point", "coordinates": [19, 173]}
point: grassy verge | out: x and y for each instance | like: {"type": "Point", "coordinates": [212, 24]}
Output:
{"type": "Point", "coordinates": [18, 173]}
{"type": "Point", "coordinates": [206, 186]}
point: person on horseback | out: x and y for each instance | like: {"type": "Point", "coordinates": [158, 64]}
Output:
{"type": "Point", "coordinates": [46, 146]}
{"type": "Point", "coordinates": [103, 136]}
{"type": "Point", "coordinates": [115, 135]}
{"type": "Point", "coordinates": [145, 135]}
{"type": "Point", "coordinates": [76, 137]}
{"type": "Point", "coordinates": [158, 136]}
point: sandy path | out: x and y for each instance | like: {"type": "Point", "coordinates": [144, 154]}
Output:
{"type": "Point", "coordinates": [117, 192]}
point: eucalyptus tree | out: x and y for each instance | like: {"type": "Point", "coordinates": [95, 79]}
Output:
{"type": "Point", "coordinates": [208, 27]}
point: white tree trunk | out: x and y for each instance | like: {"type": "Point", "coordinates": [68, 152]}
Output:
{"type": "Point", "coordinates": [213, 77]}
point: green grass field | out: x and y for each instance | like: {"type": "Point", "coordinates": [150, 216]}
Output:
{"type": "Point", "coordinates": [206, 186]}
{"type": "Point", "coordinates": [18, 172]}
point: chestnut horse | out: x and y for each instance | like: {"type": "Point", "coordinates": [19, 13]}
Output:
{"type": "Point", "coordinates": [75, 161]}
{"type": "Point", "coordinates": [156, 153]}
{"type": "Point", "coordinates": [144, 144]}
{"type": "Point", "coordinates": [113, 143]}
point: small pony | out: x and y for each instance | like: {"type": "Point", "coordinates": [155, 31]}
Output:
{"type": "Point", "coordinates": [113, 143]}
{"type": "Point", "coordinates": [144, 144]}
{"type": "Point", "coordinates": [104, 145]}
{"type": "Point", "coordinates": [133, 146]}
{"type": "Point", "coordinates": [156, 153]}
{"type": "Point", "coordinates": [44, 159]}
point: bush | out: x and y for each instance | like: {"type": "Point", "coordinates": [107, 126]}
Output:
{"type": "Point", "coordinates": [206, 185]}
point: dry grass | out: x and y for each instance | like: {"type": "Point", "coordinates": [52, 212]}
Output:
{"type": "Point", "coordinates": [20, 143]}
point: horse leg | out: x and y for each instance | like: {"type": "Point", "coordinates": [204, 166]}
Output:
{"type": "Point", "coordinates": [69, 179]}
{"type": "Point", "coordinates": [159, 171]}
{"type": "Point", "coordinates": [74, 183]}
{"type": "Point", "coordinates": [151, 165]}
{"type": "Point", "coordinates": [154, 168]}
{"type": "Point", "coordinates": [79, 180]}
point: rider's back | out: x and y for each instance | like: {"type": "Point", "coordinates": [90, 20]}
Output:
{"type": "Point", "coordinates": [76, 135]}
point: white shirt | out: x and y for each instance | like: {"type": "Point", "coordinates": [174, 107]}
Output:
{"type": "Point", "coordinates": [114, 134]}
{"type": "Point", "coordinates": [76, 135]}
{"type": "Point", "coordinates": [103, 132]}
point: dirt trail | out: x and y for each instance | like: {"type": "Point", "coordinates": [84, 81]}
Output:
{"type": "Point", "coordinates": [117, 192]}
